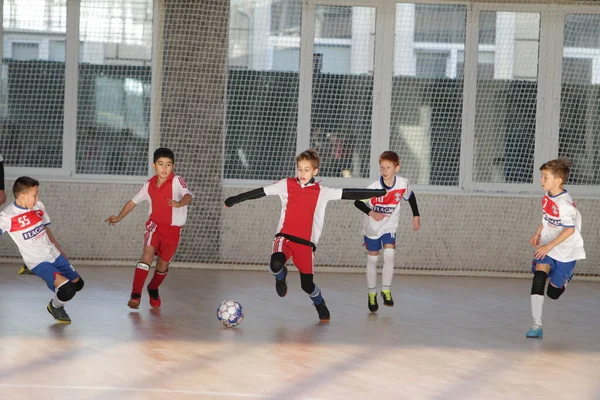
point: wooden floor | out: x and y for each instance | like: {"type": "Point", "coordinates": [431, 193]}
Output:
{"type": "Point", "coordinates": [446, 338]}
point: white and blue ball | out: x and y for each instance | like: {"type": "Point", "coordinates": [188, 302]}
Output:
{"type": "Point", "coordinates": [230, 313]}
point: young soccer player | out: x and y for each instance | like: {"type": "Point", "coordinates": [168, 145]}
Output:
{"type": "Point", "coordinates": [380, 225]}
{"type": "Point", "coordinates": [557, 240]}
{"type": "Point", "coordinates": [168, 196]}
{"type": "Point", "coordinates": [26, 221]}
{"type": "Point", "coordinates": [303, 210]}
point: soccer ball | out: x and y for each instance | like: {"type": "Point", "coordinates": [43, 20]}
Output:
{"type": "Point", "coordinates": [230, 313]}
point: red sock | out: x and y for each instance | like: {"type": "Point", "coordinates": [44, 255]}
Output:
{"type": "Point", "coordinates": [157, 279]}
{"type": "Point", "coordinates": [139, 278]}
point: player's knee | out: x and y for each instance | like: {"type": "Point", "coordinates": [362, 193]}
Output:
{"type": "Point", "coordinates": [277, 262]}
{"type": "Point", "coordinates": [66, 291]}
{"type": "Point", "coordinates": [554, 293]}
{"type": "Point", "coordinates": [539, 282]}
{"type": "Point", "coordinates": [307, 283]}
{"type": "Point", "coordinates": [79, 284]}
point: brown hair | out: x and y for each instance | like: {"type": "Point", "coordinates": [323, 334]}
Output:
{"type": "Point", "coordinates": [390, 156]}
{"type": "Point", "coordinates": [309, 155]}
{"type": "Point", "coordinates": [23, 184]}
{"type": "Point", "coordinates": [560, 168]}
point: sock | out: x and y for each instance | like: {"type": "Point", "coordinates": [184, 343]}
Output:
{"type": "Point", "coordinates": [157, 279]}
{"type": "Point", "coordinates": [316, 297]}
{"type": "Point", "coordinates": [388, 269]}
{"type": "Point", "coordinates": [56, 302]}
{"type": "Point", "coordinates": [139, 277]}
{"type": "Point", "coordinates": [372, 273]}
{"type": "Point", "coordinates": [280, 275]}
{"type": "Point", "coordinates": [537, 303]}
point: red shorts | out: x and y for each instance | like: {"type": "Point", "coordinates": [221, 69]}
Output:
{"type": "Point", "coordinates": [303, 255]}
{"type": "Point", "coordinates": [164, 239]}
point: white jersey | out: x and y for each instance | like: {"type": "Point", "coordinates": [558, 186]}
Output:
{"type": "Point", "coordinates": [388, 205]}
{"type": "Point", "coordinates": [27, 227]}
{"type": "Point", "coordinates": [559, 213]}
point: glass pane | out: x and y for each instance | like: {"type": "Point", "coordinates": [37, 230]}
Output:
{"type": "Point", "coordinates": [32, 98]}
{"type": "Point", "coordinates": [427, 91]}
{"type": "Point", "coordinates": [342, 91]}
{"type": "Point", "coordinates": [580, 99]}
{"type": "Point", "coordinates": [262, 89]}
{"type": "Point", "coordinates": [113, 121]}
{"type": "Point", "coordinates": [505, 117]}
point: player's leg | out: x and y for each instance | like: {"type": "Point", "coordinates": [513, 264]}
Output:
{"type": "Point", "coordinates": [373, 246]}
{"type": "Point", "coordinates": [23, 270]}
{"type": "Point", "coordinates": [303, 258]}
{"type": "Point", "coordinates": [165, 250]}
{"type": "Point", "coordinates": [387, 273]}
{"type": "Point", "coordinates": [63, 289]}
{"type": "Point", "coordinates": [540, 269]}
{"type": "Point", "coordinates": [560, 275]}
{"type": "Point", "coordinates": [66, 269]}
{"type": "Point", "coordinates": [279, 257]}
{"type": "Point", "coordinates": [142, 269]}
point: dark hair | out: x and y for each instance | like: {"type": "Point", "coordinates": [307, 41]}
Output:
{"type": "Point", "coordinates": [390, 156]}
{"type": "Point", "coordinates": [23, 184]}
{"type": "Point", "coordinates": [560, 168]}
{"type": "Point", "coordinates": [309, 155]}
{"type": "Point", "coordinates": [163, 152]}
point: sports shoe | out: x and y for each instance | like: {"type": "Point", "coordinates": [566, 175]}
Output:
{"type": "Point", "coordinates": [536, 332]}
{"type": "Point", "coordinates": [134, 300]}
{"type": "Point", "coordinates": [323, 311]}
{"type": "Point", "coordinates": [387, 298]}
{"type": "Point", "coordinates": [59, 313]}
{"type": "Point", "coordinates": [23, 270]}
{"type": "Point", "coordinates": [154, 297]}
{"type": "Point", "coordinates": [373, 306]}
{"type": "Point", "coordinates": [281, 285]}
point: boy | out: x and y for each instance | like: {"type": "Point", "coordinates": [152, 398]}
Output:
{"type": "Point", "coordinates": [168, 196]}
{"type": "Point", "coordinates": [557, 240]}
{"type": "Point", "coordinates": [26, 221]}
{"type": "Point", "coordinates": [303, 211]}
{"type": "Point", "coordinates": [380, 225]}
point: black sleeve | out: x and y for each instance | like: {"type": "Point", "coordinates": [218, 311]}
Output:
{"type": "Point", "coordinates": [251, 195]}
{"type": "Point", "coordinates": [362, 206]}
{"type": "Point", "coordinates": [1, 175]}
{"type": "Point", "coordinates": [412, 200]}
{"type": "Point", "coordinates": [357, 194]}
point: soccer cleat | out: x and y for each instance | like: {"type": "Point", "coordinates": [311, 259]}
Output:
{"type": "Point", "coordinates": [536, 332]}
{"type": "Point", "coordinates": [154, 297]}
{"type": "Point", "coordinates": [323, 312]}
{"type": "Point", "coordinates": [387, 298]}
{"type": "Point", "coordinates": [281, 285]}
{"type": "Point", "coordinates": [373, 306]}
{"type": "Point", "coordinates": [23, 270]}
{"type": "Point", "coordinates": [59, 313]}
{"type": "Point", "coordinates": [134, 300]}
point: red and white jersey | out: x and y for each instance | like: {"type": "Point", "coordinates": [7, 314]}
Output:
{"type": "Point", "coordinates": [28, 230]}
{"type": "Point", "coordinates": [559, 213]}
{"type": "Point", "coordinates": [302, 207]}
{"type": "Point", "coordinates": [174, 188]}
{"type": "Point", "coordinates": [388, 205]}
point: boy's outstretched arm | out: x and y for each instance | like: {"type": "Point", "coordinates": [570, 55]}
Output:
{"type": "Point", "coordinates": [357, 194]}
{"type": "Point", "coordinates": [251, 195]}
{"type": "Point", "coordinates": [130, 205]}
{"type": "Point", "coordinates": [53, 240]}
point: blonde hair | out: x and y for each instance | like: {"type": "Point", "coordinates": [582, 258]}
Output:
{"type": "Point", "coordinates": [560, 168]}
{"type": "Point", "coordinates": [309, 155]}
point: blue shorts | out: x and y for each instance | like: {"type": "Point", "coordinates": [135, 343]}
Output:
{"type": "Point", "coordinates": [48, 270]}
{"type": "Point", "coordinates": [560, 272]}
{"type": "Point", "coordinates": [377, 244]}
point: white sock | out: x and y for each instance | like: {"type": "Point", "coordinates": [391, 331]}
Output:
{"type": "Point", "coordinates": [537, 303]}
{"type": "Point", "coordinates": [372, 273]}
{"type": "Point", "coordinates": [56, 302]}
{"type": "Point", "coordinates": [388, 269]}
